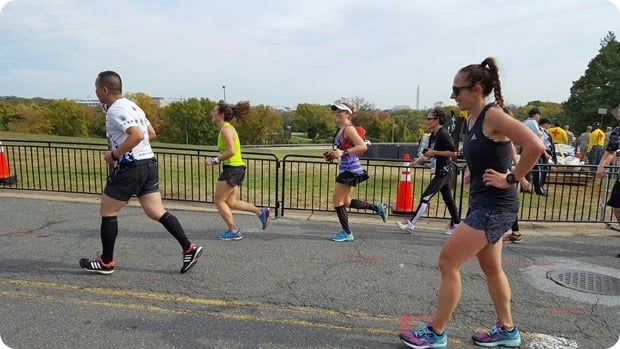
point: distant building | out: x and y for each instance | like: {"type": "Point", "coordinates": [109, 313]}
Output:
{"type": "Point", "coordinates": [401, 107]}
{"type": "Point", "coordinates": [88, 102]}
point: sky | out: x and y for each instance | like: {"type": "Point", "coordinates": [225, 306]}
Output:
{"type": "Point", "coordinates": [282, 52]}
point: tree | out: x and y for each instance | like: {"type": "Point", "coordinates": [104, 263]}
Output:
{"type": "Point", "coordinates": [319, 118]}
{"type": "Point", "coordinates": [188, 122]}
{"type": "Point", "coordinates": [359, 103]}
{"type": "Point", "coordinates": [31, 119]}
{"type": "Point", "coordinates": [68, 118]}
{"type": "Point", "coordinates": [598, 88]}
{"type": "Point", "coordinates": [262, 126]}
{"type": "Point", "coordinates": [9, 113]}
{"type": "Point", "coordinates": [409, 122]}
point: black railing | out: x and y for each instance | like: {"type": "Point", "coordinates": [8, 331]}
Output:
{"type": "Point", "coordinates": [296, 182]}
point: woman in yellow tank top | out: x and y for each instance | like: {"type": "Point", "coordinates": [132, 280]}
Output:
{"type": "Point", "coordinates": [233, 171]}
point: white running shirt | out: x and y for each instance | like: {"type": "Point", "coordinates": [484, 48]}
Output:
{"type": "Point", "coordinates": [121, 115]}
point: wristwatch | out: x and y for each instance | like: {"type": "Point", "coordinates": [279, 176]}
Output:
{"type": "Point", "coordinates": [510, 178]}
{"type": "Point", "coordinates": [345, 152]}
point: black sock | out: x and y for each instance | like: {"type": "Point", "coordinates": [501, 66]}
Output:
{"type": "Point", "coordinates": [363, 205]}
{"type": "Point", "coordinates": [109, 231]}
{"type": "Point", "coordinates": [343, 217]}
{"type": "Point", "coordinates": [171, 223]}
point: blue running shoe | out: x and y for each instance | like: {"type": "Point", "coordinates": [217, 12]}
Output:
{"type": "Point", "coordinates": [424, 337]}
{"type": "Point", "coordinates": [382, 212]}
{"type": "Point", "coordinates": [497, 336]}
{"type": "Point", "coordinates": [264, 217]}
{"type": "Point", "coordinates": [343, 236]}
{"type": "Point", "coordinates": [231, 235]}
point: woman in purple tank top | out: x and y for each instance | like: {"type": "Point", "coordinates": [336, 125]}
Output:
{"type": "Point", "coordinates": [347, 145]}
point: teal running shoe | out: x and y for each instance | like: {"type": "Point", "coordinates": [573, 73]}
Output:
{"type": "Point", "coordinates": [424, 337]}
{"type": "Point", "coordinates": [382, 212]}
{"type": "Point", "coordinates": [343, 236]}
{"type": "Point", "coordinates": [231, 235]}
{"type": "Point", "coordinates": [497, 336]}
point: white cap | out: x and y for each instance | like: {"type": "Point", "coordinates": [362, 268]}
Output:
{"type": "Point", "coordinates": [341, 106]}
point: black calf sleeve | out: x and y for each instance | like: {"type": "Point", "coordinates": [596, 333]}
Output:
{"type": "Point", "coordinates": [363, 205]}
{"type": "Point", "coordinates": [343, 217]}
{"type": "Point", "coordinates": [171, 223]}
{"type": "Point", "coordinates": [109, 231]}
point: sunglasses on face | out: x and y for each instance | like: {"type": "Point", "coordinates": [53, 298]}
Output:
{"type": "Point", "coordinates": [431, 119]}
{"type": "Point", "coordinates": [456, 90]}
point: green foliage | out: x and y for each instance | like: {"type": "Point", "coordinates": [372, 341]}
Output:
{"type": "Point", "coordinates": [188, 122]}
{"type": "Point", "coordinates": [96, 122]}
{"type": "Point", "coordinates": [68, 118]}
{"type": "Point", "coordinates": [8, 113]}
{"type": "Point", "coordinates": [319, 117]}
{"type": "Point", "coordinates": [549, 110]}
{"type": "Point", "coordinates": [261, 127]}
{"type": "Point", "coordinates": [598, 88]}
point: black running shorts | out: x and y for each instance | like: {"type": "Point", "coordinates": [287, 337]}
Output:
{"type": "Point", "coordinates": [614, 198]}
{"type": "Point", "coordinates": [138, 178]}
{"type": "Point", "coordinates": [350, 178]}
{"type": "Point", "coordinates": [233, 175]}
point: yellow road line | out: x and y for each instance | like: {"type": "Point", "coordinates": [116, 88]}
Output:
{"type": "Point", "coordinates": [192, 300]}
{"type": "Point", "coordinates": [201, 312]}
{"type": "Point", "coordinates": [158, 309]}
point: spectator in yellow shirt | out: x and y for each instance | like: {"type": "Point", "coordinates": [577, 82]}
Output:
{"type": "Point", "coordinates": [558, 135]}
{"type": "Point", "coordinates": [595, 147]}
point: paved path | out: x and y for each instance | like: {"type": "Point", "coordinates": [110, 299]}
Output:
{"type": "Point", "coordinates": [286, 287]}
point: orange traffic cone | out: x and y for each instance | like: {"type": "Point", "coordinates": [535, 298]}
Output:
{"type": "Point", "coordinates": [5, 172]}
{"type": "Point", "coordinates": [404, 199]}
{"type": "Point", "coordinates": [578, 154]}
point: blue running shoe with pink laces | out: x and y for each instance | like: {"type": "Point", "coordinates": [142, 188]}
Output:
{"type": "Point", "coordinates": [498, 335]}
{"type": "Point", "coordinates": [424, 337]}
{"type": "Point", "coordinates": [264, 217]}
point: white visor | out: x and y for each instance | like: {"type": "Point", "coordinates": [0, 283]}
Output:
{"type": "Point", "coordinates": [341, 106]}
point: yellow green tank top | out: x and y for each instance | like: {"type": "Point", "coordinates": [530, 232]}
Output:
{"type": "Point", "coordinates": [236, 159]}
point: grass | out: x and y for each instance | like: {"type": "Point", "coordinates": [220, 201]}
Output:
{"type": "Point", "coordinates": [304, 181]}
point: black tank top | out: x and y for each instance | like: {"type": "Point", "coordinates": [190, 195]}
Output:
{"type": "Point", "coordinates": [482, 153]}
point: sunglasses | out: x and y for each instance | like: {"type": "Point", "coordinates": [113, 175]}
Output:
{"type": "Point", "coordinates": [456, 90]}
{"type": "Point", "coordinates": [431, 119]}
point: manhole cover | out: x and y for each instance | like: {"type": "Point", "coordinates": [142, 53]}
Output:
{"type": "Point", "coordinates": [585, 281]}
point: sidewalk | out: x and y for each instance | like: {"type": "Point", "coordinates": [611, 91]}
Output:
{"type": "Point", "coordinates": [526, 227]}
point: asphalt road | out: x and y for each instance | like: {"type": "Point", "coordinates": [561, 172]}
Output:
{"type": "Point", "coordinates": [286, 287]}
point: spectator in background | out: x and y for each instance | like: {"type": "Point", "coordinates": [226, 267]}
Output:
{"type": "Point", "coordinates": [532, 123]}
{"type": "Point", "coordinates": [595, 145]}
{"type": "Point", "coordinates": [547, 157]}
{"type": "Point", "coordinates": [607, 133]}
{"type": "Point", "coordinates": [570, 135]}
{"type": "Point", "coordinates": [584, 141]}
{"type": "Point", "coordinates": [558, 135]}
{"type": "Point", "coordinates": [515, 235]}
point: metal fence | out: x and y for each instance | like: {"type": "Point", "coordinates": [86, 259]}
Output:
{"type": "Point", "coordinates": [294, 182]}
